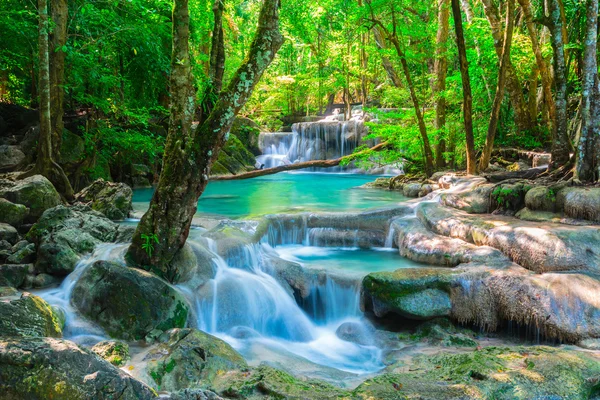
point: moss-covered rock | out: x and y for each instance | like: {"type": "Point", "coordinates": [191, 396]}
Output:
{"type": "Point", "coordinates": [537, 372]}
{"type": "Point", "coordinates": [64, 234]}
{"type": "Point", "coordinates": [8, 233]}
{"type": "Point", "coordinates": [267, 382]}
{"type": "Point", "coordinates": [35, 192]}
{"type": "Point", "coordinates": [474, 200]}
{"type": "Point", "coordinates": [11, 213]}
{"type": "Point", "coordinates": [45, 368]}
{"type": "Point", "coordinates": [25, 314]}
{"type": "Point", "coordinates": [128, 303]}
{"type": "Point", "coordinates": [509, 196]}
{"type": "Point", "coordinates": [113, 351]}
{"type": "Point", "coordinates": [234, 157]}
{"type": "Point", "coordinates": [111, 199]}
{"type": "Point", "coordinates": [190, 358]}
{"type": "Point", "coordinates": [14, 274]}
{"type": "Point", "coordinates": [541, 198]}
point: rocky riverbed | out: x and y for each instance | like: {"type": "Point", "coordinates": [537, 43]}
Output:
{"type": "Point", "coordinates": [504, 304]}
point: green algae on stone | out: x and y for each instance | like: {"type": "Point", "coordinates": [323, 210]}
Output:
{"type": "Point", "coordinates": [25, 314]}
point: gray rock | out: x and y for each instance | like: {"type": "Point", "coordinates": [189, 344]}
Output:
{"type": "Point", "coordinates": [35, 192]}
{"type": "Point", "coordinates": [411, 189]}
{"type": "Point", "coordinates": [64, 234]}
{"type": "Point", "coordinates": [11, 157]}
{"type": "Point", "coordinates": [128, 303]}
{"type": "Point", "coordinates": [24, 255]}
{"type": "Point", "coordinates": [14, 275]}
{"type": "Point", "coordinates": [8, 233]}
{"type": "Point", "coordinates": [541, 198]}
{"type": "Point", "coordinates": [46, 368]}
{"type": "Point", "coordinates": [113, 351]}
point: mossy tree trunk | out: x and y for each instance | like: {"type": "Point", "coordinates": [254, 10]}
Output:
{"type": "Point", "coordinates": [45, 163]}
{"type": "Point", "coordinates": [466, 84]}
{"type": "Point", "coordinates": [190, 154]}
{"type": "Point", "coordinates": [495, 114]}
{"type": "Point", "coordinates": [588, 147]}
{"type": "Point", "coordinates": [58, 39]}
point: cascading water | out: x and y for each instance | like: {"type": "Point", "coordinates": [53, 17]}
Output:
{"type": "Point", "coordinates": [321, 140]}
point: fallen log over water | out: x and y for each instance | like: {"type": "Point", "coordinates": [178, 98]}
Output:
{"type": "Point", "coordinates": [301, 165]}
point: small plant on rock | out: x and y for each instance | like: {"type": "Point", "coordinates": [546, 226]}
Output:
{"type": "Point", "coordinates": [149, 241]}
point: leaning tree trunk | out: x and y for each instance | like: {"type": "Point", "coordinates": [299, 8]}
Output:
{"type": "Point", "coordinates": [413, 95]}
{"type": "Point", "coordinates": [190, 154]}
{"type": "Point", "coordinates": [587, 154]}
{"type": "Point", "coordinates": [495, 114]}
{"type": "Point", "coordinates": [561, 146]}
{"type": "Point", "coordinates": [560, 149]}
{"type": "Point", "coordinates": [439, 88]}
{"type": "Point", "coordinates": [523, 118]}
{"type": "Point", "coordinates": [58, 39]}
{"type": "Point", "coordinates": [466, 83]}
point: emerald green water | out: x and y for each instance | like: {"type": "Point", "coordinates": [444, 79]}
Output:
{"type": "Point", "coordinates": [286, 192]}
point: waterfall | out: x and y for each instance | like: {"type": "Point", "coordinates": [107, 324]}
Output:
{"type": "Point", "coordinates": [322, 140]}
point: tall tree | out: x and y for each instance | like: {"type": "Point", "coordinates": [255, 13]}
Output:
{"type": "Point", "coordinates": [392, 37]}
{"type": "Point", "coordinates": [495, 114]}
{"type": "Point", "coordinates": [45, 163]}
{"type": "Point", "coordinates": [439, 88]}
{"type": "Point", "coordinates": [190, 154]}
{"type": "Point", "coordinates": [58, 41]}
{"type": "Point", "coordinates": [561, 145]}
{"type": "Point", "coordinates": [587, 148]}
{"type": "Point", "coordinates": [523, 118]}
{"type": "Point", "coordinates": [466, 84]}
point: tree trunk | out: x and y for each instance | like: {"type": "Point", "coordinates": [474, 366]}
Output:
{"type": "Point", "coordinates": [587, 154]}
{"type": "Point", "coordinates": [532, 100]}
{"type": "Point", "coordinates": [523, 119]}
{"type": "Point", "coordinates": [466, 83]}
{"type": "Point", "coordinates": [561, 145]}
{"type": "Point", "coordinates": [543, 68]}
{"type": "Point", "coordinates": [439, 88]}
{"type": "Point", "coordinates": [58, 39]}
{"type": "Point", "coordinates": [190, 154]}
{"type": "Point", "coordinates": [493, 125]}
{"type": "Point", "coordinates": [387, 64]}
{"type": "Point", "coordinates": [44, 156]}
{"type": "Point", "coordinates": [466, 6]}
{"type": "Point", "coordinates": [301, 165]}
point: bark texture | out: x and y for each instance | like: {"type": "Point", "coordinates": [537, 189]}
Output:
{"type": "Point", "coordinates": [190, 154]}
{"type": "Point", "coordinates": [561, 145]}
{"type": "Point", "coordinates": [441, 69]}
{"type": "Point", "coordinates": [466, 84]}
{"type": "Point", "coordinates": [587, 149]}
{"type": "Point", "coordinates": [495, 114]}
{"type": "Point", "coordinates": [58, 39]}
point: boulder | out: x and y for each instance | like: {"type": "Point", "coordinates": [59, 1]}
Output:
{"type": "Point", "coordinates": [8, 233]}
{"type": "Point", "coordinates": [194, 394]}
{"type": "Point", "coordinates": [11, 157]}
{"type": "Point", "coordinates": [14, 275]}
{"type": "Point", "coordinates": [474, 200]}
{"type": "Point", "coordinates": [23, 255]}
{"type": "Point", "coordinates": [113, 351]}
{"type": "Point", "coordinates": [35, 192]}
{"type": "Point", "coordinates": [11, 213]}
{"type": "Point", "coordinates": [541, 198]}
{"type": "Point", "coordinates": [64, 234]}
{"type": "Point", "coordinates": [580, 203]}
{"type": "Point", "coordinates": [190, 358]}
{"type": "Point", "coordinates": [46, 368]}
{"type": "Point", "coordinates": [111, 199]}
{"type": "Point", "coordinates": [359, 332]}
{"type": "Point", "coordinates": [25, 314]}
{"type": "Point", "coordinates": [411, 189]}
{"type": "Point", "coordinates": [128, 303]}
{"type": "Point", "coordinates": [509, 196]}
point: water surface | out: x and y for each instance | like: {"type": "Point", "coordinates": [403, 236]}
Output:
{"type": "Point", "coordinates": [285, 192]}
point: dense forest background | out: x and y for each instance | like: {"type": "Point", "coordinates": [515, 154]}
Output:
{"type": "Point", "coordinates": [397, 55]}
